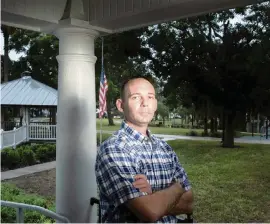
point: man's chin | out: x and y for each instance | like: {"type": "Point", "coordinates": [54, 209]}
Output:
{"type": "Point", "coordinates": [144, 121]}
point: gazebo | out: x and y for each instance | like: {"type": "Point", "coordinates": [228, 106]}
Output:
{"type": "Point", "coordinates": [22, 94]}
{"type": "Point", "coordinates": [77, 23]}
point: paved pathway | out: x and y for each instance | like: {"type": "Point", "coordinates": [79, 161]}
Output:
{"type": "Point", "coordinates": [245, 139]}
{"type": "Point", "coordinates": [47, 166]}
{"type": "Point", "coordinates": [27, 170]}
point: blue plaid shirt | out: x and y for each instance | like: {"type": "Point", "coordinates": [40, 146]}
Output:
{"type": "Point", "coordinates": [124, 155]}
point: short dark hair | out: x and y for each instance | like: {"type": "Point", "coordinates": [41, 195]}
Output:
{"type": "Point", "coordinates": [122, 90]}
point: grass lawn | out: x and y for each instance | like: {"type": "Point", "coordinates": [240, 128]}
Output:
{"type": "Point", "coordinates": [230, 185]}
{"type": "Point", "coordinates": [159, 130]}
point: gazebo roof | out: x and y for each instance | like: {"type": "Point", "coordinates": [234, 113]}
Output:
{"type": "Point", "coordinates": [28, 92]}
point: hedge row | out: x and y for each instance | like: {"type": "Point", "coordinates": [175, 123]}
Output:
{"type": "Point", "coordinates": [27, 155]}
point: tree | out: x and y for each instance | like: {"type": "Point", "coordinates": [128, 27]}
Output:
{"type": "Point", "coordinates": [7, 32]}
{"type": "Point", "coordinates": [163, 111]}
{"type": "Point", "coordinates": [211, 74]}
{"type": "Point", "coordinates": [40, 57]}
{"type": "Point", "coordinates": [122, 56]}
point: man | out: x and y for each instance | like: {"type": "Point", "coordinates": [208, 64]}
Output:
{"type": "Point", "coordinates": [139, 176]}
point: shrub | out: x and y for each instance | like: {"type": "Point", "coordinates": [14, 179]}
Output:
{"type": "Point", "coordinates": [46, 152]}
{"type": "Point", "coordinates": [11, 193]}
{"type": "Point", "coordinates": [35, 147]}
{"type": "Point", "coordinates": [51, 151]}
{"type": "Point", "coordinates": [10, 158]}
{"type": "Point", "coordinates": [204, 134]}
{"type": "Point", "coordinates": [42, 154]}
{"type": "Point", "coordinates": [28, 157]}
{"type": "Point", "coordinates": [192, 133]}
{"type": "Point", "coordinates": [216, 135]}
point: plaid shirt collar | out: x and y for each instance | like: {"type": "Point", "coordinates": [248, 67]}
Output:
{"type": "Point", "coordinates": [135, 134]}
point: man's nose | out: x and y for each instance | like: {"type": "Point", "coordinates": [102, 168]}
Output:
{"type": "Point", "coordinates": [145, 101]}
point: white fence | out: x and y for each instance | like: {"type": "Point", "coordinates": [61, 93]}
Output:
{"type": "Point", "coordinates": [42, 132]}
{"type": "Point", "coordinates": [14, 137]}
{"type": "Point", "coordinates": [26, 133]}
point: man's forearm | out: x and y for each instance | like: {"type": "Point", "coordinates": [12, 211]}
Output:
{"type": "Point", "coordinates": [184, 205]}
{"type": "Point", "coordinates": [152, 207]}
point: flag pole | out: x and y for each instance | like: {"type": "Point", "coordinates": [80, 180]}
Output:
{"type": "Point", "coordinates": [100, 118]}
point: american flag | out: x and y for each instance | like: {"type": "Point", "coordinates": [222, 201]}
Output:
{"type": "Point", "coordinates": [102, 93]}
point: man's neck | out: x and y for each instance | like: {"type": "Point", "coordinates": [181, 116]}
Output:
{"type": "Point", "coordinates": [141, 129]}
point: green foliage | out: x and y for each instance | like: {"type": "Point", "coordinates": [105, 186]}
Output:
{"type": "Point", "coordinates": [11, 193]}
{"type": "Point", "coordinates": [162, 110]}
{"type": "Point", "coordinates": [10, 158]}
{"type": "Point", "coordinates": [215, 134]}
{"type": "Point", "coordinates": [192, 133]}
{"type": "Point", "coordinates": [42, 154]}
{"type": "Point", "coordinates": [27, 155]}
{"type": "Point", "coordinates": [40, 56]}
{"type": "Point", "coordinates": [227, 70]}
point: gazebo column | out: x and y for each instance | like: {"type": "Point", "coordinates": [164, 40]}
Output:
{"type": "Point", "coordinates": [76, 125]}
{"type": "Point", "coordinates": [25, 115]}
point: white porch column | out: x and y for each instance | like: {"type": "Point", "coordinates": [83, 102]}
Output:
{"type": "Point", "coordinates": [76, 125]}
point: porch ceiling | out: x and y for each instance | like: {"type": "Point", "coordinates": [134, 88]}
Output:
{"type": "Point", "coordinates": [105, 15]}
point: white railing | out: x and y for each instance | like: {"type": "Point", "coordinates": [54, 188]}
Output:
{"type": "Point", "coordinates": [14, 137]}
{"type": "Point", "coordinates": [42, 132]}
{"type": "Point", "coordinates": [20, 207]}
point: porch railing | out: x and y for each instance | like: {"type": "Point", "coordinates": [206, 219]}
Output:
{"type": "Point", "coordinates": [20, 207]}
{"type": "Point", "coordinates": [42, 132]}
{"type": "Point", "coordinates": [14, 137]}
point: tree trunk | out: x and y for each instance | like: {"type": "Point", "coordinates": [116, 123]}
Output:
{"type": "Point", "coordinates": [229, 131]}
{"type": "Point", "coordinates": [192, 120]}
{"type": "Point", "coordinates": [223, 125]}
{"type": "Point", "coordinates": [6, 50]}
{"type": "Point", "coordinates": [205, 123]}
{"type": "Point", "coordinates": [212, 125]}
{"type": "Point", "coordinates": [215, 124]}
{"type": "Point", "coordinates": [109, 113]}
{"type": "Point", "coordinates": [266, 126]}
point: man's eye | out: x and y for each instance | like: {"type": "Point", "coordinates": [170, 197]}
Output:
{"type": "Point", "coordinates": [151, 97]}
{"type": "Point", "coordinates": [136, 97]}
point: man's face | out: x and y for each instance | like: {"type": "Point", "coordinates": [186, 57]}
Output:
{"type": "Point", "coordinates": [139, 102]}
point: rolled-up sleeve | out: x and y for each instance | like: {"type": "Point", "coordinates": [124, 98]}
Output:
{"type": "Point", "coordinates": [115, 171]}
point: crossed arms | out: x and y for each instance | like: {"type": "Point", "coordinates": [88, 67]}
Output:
{"type": "Point", "coordinates": [173, 200]}
{"type": "Point", "coordinates": [115, 173]}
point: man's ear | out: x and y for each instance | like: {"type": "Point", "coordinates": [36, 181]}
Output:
{"type": "Point", "coordinates": [119, 105]}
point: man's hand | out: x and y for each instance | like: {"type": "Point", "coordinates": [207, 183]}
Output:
{"type": "Point", "coordinates": [184, 205]}
{"type": "Point", "coordinates": [149, 208]}
{"type": "Point", "coordinates": [142, 184]}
